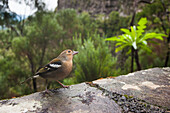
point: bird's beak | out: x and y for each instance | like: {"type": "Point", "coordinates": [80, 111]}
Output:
{"type": "Point", "coordinates": [75, 52]}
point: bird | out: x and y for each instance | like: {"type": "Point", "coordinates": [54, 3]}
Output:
{"type": "Point", "coordinates": [57, 69]}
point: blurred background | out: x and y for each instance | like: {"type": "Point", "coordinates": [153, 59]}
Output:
{"type": "Point", "coordinates": [33, 32]}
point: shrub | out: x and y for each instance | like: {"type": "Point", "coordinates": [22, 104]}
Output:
{"type": "Point", "coordinates": [93, 61]}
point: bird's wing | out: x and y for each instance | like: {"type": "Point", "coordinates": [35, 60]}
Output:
{"type": "Point", "coordinates": [52, 66]}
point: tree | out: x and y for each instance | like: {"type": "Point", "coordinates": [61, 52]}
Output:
{"type": "Point", "coordinates": [41, 37]}
{"type": "Point", "coordinates": [135, 39]}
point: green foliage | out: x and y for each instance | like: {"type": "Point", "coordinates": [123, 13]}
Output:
{"type": "Point", "coordinates": [93, 61]}
{"type": "Point", "coordinates": [44, 35]}
{"type": "Point", "coordinates": [20, 45]}
{"type": "Point", "coordinates": [151, 60]}
{"type": "Point", "coordinates": [5, 42]}
{"type": "Point", "coordinates": [4, 38]}
{"type": "Point", "coordinates": [73, 23]}
{"type": "Point", "coordinates": [135, 37]}
{"type": "Point", "coordinates": [87, 25]}
{"type": "Point", "coordinates": [10, 76]}
{"type": "Point", "coordinates": [111, 25]}
{"type": "Point", "coordinates": [40, 34]}
{"type": "Point", "coordinates": [67, 18]}
{"type": "Point", "coordinates": [157, 15]}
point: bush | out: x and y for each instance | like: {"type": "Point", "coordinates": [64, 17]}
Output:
{"type": "Point", "coordinates": [93, 61]}
{"type": "Point", "coordinates": [10, 77]}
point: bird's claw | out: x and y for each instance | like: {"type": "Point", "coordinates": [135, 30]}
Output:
{"type": "Point", "coordinates": [65, 86]}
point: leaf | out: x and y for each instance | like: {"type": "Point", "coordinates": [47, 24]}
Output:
{"type": "Point", "coordinates": [120, 48]}
{"type": "Point", "coordinates": [119, 44]}
{"type": "Point", "coordinates": [125, 31]}
{"type": "Point", "coordinates": [141, 26]}
{"type": "Point", "coordinates": [142, 21]}
{"type": "Point", "coordinates": [133, 33]}
{"type": "Point", "coordinates": [116, 39]}
{"type": "Point", "coordinates": [129, 51]}
{"type": "Point", "coordinates": [153, 35]}
{"type": "Point", "coordinates": [145, 42]}
{"type": "Point", "coordinates": [134, 45]}
{"type": "Point", "coordinates": [128, 37]}
{"type": "Point", "coordinates": [112, 39]}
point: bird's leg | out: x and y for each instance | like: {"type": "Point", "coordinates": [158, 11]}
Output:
{"type": "Point", "coordinates": [46, 88]}
{"type": "Point", "coordinates": [62, 84]}
{"type": "Point", "coordinates": [46, 85]}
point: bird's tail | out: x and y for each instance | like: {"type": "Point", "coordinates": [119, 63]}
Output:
{"type": "Point", "coordinates": [36, 76]}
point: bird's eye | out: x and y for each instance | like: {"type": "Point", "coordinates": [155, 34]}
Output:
{"type": "Point", "coordinates": [69, 51]}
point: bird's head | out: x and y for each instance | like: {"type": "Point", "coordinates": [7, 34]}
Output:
{"type": "Point", "coordinates": [67, 54]}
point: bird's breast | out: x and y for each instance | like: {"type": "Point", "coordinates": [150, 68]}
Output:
{"type": "Point", "coordinates": [64, 70]}
{"type": "Point", "coordinates": [67, 67]}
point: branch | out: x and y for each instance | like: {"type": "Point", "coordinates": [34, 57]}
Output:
{"type": "Point", "coordinates": [15, 30]}
{"type": "Point", "coordinates": [146, 1]}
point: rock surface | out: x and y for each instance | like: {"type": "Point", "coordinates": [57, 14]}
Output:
{"type": "Point", "coordinates": [98, 6]}
{"type": "Point", "coordinates": [152, 85]}
{"type": "Point", "coordinates": [142, 91]}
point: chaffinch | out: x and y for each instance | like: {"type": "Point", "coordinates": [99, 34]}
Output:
{"type": "Point", "coordinates": [58, 68]}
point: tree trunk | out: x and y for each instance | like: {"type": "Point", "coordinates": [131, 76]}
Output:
{"type": "Point", "coordinates": [134, 12]}
{"type": "Point", "coordinates": [165, 12]}
{"type": "Point", "coordinates": [33, 71]}
{"type": "Point", "coordinates": [43, 53]}
{"type": "Point", "coordinates": [137, 60]}
{"type": "Point", "coordinates": [34, 79]}
{"type": "Point", "coordinates": [167, 58]}
{"type": "Point", "coordinates": [122, 57]}
{"type": "Point", "coordinates": [133, 18]}
{"type": "Point", "coordinates": [34, 84]}
{"type": "Point", "coordinates": [132, 57]}
{"type": "Point", "coordinates": [168, 52]}
{"type": "Point", "coordinates": [131, 24]}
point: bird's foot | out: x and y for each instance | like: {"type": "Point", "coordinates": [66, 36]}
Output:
{"type": "Point", "coordinates": [46, 92]}
{"type": "Point", "coordinates": [64, 86]}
